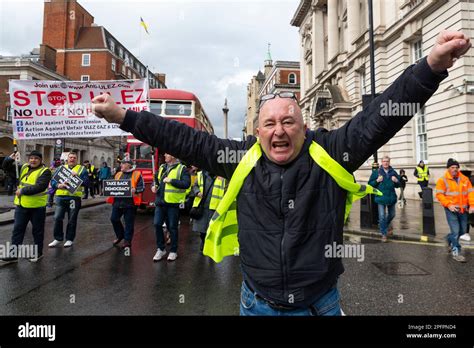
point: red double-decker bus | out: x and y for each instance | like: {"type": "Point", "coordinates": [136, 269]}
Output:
{"type": "Point", "coordinates": [172, 104]}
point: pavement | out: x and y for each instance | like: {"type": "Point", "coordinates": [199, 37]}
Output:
{"type": "Point", "coordinates": [95, 278]}
{"type": "Point", "coordinates": [407, 224]}
{"type": "Point", "coordinates": [7, 208]}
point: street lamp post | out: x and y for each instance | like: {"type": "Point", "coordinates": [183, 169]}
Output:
{"type": "Point", "coordinates": [372, 58]}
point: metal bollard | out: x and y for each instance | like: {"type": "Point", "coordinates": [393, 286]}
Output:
{"type": "Point", "coordinates": [428, 212]}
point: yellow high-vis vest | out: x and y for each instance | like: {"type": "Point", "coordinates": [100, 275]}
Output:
{"type": "Point", "coordinates": [80, 191]}
{"type": "Point", "coordinates": [217, 192]}
{"type": "Point", "coordinates": [29, 179]}
{"type": "Point", "coordinates": [422, 173]}
{"type": "Point", "coordinates": [173, 194]}
{"type": "Point", "coordinates": [221, 239]}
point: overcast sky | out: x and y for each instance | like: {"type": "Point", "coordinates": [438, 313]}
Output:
{"type": "Point", "coordinates": [211, 48]}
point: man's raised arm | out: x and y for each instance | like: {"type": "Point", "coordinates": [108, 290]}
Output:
{"type": "Point", "coordinates": [199, 148]}
{"type": "Point", "coordinates": [371, 128]}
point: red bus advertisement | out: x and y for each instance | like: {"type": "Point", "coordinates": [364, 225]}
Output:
{"type": "Point", "coordinates": [175, 105]}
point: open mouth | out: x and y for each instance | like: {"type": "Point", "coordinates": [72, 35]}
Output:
{"type": "Point", "coordinates": [280, 145]}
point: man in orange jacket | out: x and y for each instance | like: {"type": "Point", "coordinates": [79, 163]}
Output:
{"type": "Point", "coordinates": [455, 193]}
{"type": "Point", "coordinates": [126, 207]}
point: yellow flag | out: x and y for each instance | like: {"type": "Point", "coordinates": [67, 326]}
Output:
{"type": "Point", "coordinates": [143, 24]}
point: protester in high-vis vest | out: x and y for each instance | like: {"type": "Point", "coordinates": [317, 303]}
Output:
{"type": "Point", "coordinates": [30, 201]}
{"type": "Point", "coordinates": [127, 206]}
{"type": "Point", "coordinates": [211, 189]}
{"type": "Point", "coordinates": [92, 176]}
{"type": "Point", "coordinates": [455, 193]}
{"type": "Point", "coordinates": [170, 185]}
{"type": "Point", "coordinates": [422, 174]}
{"type": "Point", "coordinates": [292, 191]}
{"type": "Point", "coordinates": [68, 202]}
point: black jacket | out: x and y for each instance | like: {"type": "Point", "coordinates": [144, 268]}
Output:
{"type": "Point", "coordinates": [282, 249]}
{"type": "Point", "coordinates": [41, 183]}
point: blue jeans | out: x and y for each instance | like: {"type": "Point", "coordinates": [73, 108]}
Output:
{"type": "Point", "coordinates": [384, 218]}
{"type": "Point", "coordinates": [71, 205]}
{"type": "Point", "coordinates": [458, 226]}
{"type": "Point", "coordinates": [170, 215]}
{"type": "Point", "coordinates": [129, 217]}
{"type": "Point", "coordinates": [326, 305]}
{"type": "Point", "coordinates": [22, 217]}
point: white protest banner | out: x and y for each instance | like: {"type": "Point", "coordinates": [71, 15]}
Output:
{"type": "Point", "coordinates": [63, 109]}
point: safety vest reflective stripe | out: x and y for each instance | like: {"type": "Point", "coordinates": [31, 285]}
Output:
{"type": "Point", "coordinates": [422, 173]}
{"type": "Point", "coordinates": [173, 194]}
{"type": "Point", "coordinates": [440, 191]}
{"type": "Point", "coordinates": [217, 193]}
{"type": "Point", "coordinates": [221, 238]}
{"type": "Point", "coordinates": [31, 201]}
{"type": "Point", "coordinates": [80, 190]}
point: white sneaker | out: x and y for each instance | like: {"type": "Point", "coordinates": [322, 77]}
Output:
{"type": "Point", "coordinates": [54, 243]}
{"type": "Point", "coordinates": [172, 256]}
{"type": "Point", "coordinates": [159, 255]}
{"type": "Point", "coordinates": [68, 244]}
{"type": "Point", "coordinates": [465, 237]}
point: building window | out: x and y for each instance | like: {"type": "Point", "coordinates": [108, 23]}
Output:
{"type": "Point", "coordinates": [121, 52]}
{"type": "Point", "coordinates": [362, 83]}
{"type": "Point", "coordinates": [292, 79]}
{"type": "Point", "coordinates": [8, 114]}
{"type": "Point", "coordinates": [123, 69]}
{"type": "Point", "coordinates": [112, 45]}
{"type": "Point", "coordinates": [417, 51]}
{"type": "Point", "coordinates": [85, 78]}
{"type": "Point", "coordinates": [128, 73]}
{"type": "Point", "coordinates": [421, 136]}
{"type": "Point", "coordinates": [114, 64]}
{"type": "Point", "coordinates": [86, 59]}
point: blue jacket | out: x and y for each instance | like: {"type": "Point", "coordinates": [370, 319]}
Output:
{"type": "Point", "coordinates": [104, 173]}
{"type": "Point", "coordinates": [387, 186]}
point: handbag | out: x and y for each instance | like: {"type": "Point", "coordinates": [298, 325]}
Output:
{"type": "Point", "coordinates": [197, 212]}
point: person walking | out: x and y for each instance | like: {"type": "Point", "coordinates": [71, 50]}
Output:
{"type": "Point", "coordinates": [104, 173]}
{"type": "Point", "coordinates": [30, 203]}
{"type": "Point", "coordinates": [170, 186]}
{"type": "Point", "coordinates": [403, 184]}
{"type": "Point", "coordinates": [422, 174]}
{"type": "Point", "coordinates": [385, 180]}
{"type": "Point", "coordinates": [126, 206]}
{"type": "Point", "coordinates": [68, 202]}
{"type": "Point", "coordinates": [91, 174]}
{"type": "Point", "coordinates": [208, 191]}
{"type": "Point", "coordinates": [288, 198]}
{"type": "Point", "coordinates": [455, 193]}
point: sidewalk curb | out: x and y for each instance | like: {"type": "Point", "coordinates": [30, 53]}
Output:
{"type": "Point", "coordinates": [50, 211]}
{"type": "Point", "coordinates": [376, 234]}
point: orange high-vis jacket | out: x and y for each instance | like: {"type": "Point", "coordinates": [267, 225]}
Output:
{"type": "Point", "coordinates": [137, 197]}
{"type": "Point", "coordinates": [448, 191]}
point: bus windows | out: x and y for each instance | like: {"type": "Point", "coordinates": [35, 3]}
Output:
{"type": "Point", "coordinates": [141, 154]}
{"type": "Point", "coordinates": [155, 107]}
{"type": "Point", "coordinates": [178, 108]}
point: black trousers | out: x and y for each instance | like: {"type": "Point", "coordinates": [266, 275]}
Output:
{"type": "Point", "coordinates": [23, 216]}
